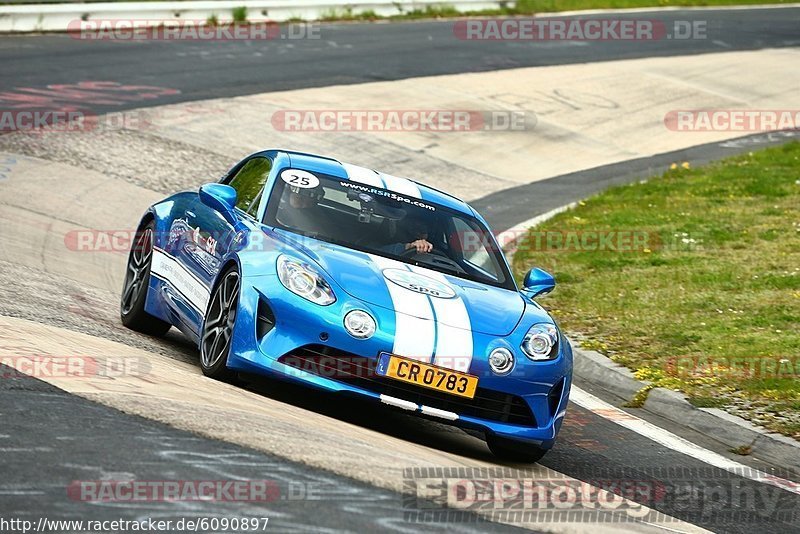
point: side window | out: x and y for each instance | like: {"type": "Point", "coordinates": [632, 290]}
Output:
{"type": "Point", "coordinates": [249, 182]}
{"type": "Point", "coordinates": [473, 247]}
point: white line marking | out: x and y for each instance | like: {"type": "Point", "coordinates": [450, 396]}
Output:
{"type": "Point", "coordinates": [667, 529]}
{"type": "Point", "coordinates": [676, 443]}
{"type": "Point", "coordinates": [509, 239]}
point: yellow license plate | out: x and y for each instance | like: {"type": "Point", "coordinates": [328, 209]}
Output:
{"type": "Point", "coordinates": [427, 375]}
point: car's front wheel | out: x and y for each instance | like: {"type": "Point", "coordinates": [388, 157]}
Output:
{"type": "Point", "coordinates": [134, 290]}
{"type": "Point", "coordinates": [215, 342]}
{"type": "Point", "coordinates": [513, 450]}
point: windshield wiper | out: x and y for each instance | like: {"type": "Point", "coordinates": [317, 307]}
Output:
{"type": "Point", "coordinates": [440, 267]}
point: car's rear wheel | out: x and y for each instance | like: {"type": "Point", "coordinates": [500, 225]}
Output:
{"type": "Point", "coordinates": [216, 339]}
{"type": "Point", "coordinates": [134, 289]}
{"type": "Point", "coordinates": [513, 450]}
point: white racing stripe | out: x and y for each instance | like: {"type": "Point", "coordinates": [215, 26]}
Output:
{"type": "Point", "coordinates": [363, 175]}
{"type": "Point", "coordinates": [414, 325]}
{"type": "Point", "coordinates": [453, 340]}
{"type": "Point", "coordinates": [676, 443]}
{"type": "Point", "coordinates": [173, 272]}
{"type": "Point", "coordinates": [403, 186]}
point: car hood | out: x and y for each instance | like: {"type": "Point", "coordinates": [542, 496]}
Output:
{"type": "Point", "coordinates": [421, 292]}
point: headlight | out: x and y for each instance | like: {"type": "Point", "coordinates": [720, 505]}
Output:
{"type": "Point", "coordinates": [359, 324]}
{"type": "Point", "coordinates": [541, 342]}
{"type": "Point", "coordinates": [301, 279]}
{"type": "Point", "coordinates": [501, 361]}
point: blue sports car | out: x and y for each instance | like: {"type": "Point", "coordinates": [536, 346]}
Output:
{"type": "Point", "coordinates": [354, 281]}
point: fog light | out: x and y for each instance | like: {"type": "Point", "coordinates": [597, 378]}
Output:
{"type": "Point", "coordinates": [501, 361]}
{"type": "Point", "coordinates": [359, 324]}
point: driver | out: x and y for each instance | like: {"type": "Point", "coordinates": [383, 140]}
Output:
{"type": "Point", "coordinates": [301, 211]}
{"type": "Point", "coordinates": [417, 232]}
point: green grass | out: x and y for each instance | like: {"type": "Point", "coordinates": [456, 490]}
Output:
{"type": "Point", "coordinates": [347, 14]}
{"type": "Point", "coordinates": [710, 304]}
{"type": "Point", "coordinates": [239, 14]}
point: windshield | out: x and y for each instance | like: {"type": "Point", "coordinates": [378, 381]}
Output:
{"type": "Point", "coordinates": [385, 223]}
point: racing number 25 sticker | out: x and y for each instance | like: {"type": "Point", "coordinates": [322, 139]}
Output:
{"type": "Point", "coordinates": [298, 178]}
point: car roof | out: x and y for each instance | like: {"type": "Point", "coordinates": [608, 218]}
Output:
{"type": "Point", "coordinates": [363, 175]}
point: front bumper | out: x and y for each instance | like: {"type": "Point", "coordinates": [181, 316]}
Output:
{"type": "Point", "coordinates": [308, 344]}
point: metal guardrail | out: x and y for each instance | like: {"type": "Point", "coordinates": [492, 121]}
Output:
{"type": "Point", "coordinates": [34, 2]}
{"type": "Point", "coordinates": [58, 16]}
{"type": "Point", "coordinates": [354, 5]}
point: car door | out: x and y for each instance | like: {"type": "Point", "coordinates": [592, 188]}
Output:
{"type": "Point", "coordinates": [211, 234]}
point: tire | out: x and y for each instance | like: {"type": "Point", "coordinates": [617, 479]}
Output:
{"type": "Point", "coordinates": [514, 451]}
{"type": "Point", "coordinates": [215, 339]}
{"type": "Point", "coordinates": [134, 289]}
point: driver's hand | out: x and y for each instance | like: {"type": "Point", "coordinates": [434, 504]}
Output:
{"type": "Point", "coordinates": [421, 245]}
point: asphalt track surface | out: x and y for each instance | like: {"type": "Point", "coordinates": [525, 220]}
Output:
{"type": "Point", "coordinates": [502, 209]}
{"type": "Point", "coordinates": [355, 53]}
{"type": "Point", "coordinates": [50, 438]}
{"type": "Point", "coordinates": [300, 499]}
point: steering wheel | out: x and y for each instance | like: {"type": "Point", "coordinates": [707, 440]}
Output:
{"type": "Point", "coordinates": [409, 252]}
{"type": "Point", "coordinates": [412, 251]}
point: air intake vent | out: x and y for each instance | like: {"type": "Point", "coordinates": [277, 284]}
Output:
{"type": "Point", "coordinates": [265, 319]}
{"type": "Point", "coordinates": [554, 397]}
{"type": "Point", "coordinates": [360, 371]}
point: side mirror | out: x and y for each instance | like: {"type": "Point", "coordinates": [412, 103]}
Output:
{"type": "Point", "coordinates": [219, 197]}
{"type": "Point", "coordinates": [538, 282]}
